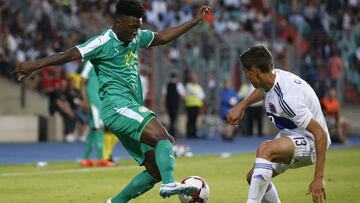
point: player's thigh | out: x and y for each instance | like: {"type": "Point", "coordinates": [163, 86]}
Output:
{"type": "Point", "coordinates": [127, 122]}
{"type": "Point", "coordinates": [153, 132]}
{"type": "Point", "coordinates": [304, 154]}
{"type": "Point", "coordinates": [127, 119]}
{"type": "Point", "coordinates": [279, 150]}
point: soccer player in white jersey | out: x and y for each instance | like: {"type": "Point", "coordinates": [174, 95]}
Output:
{"type": "Point", "coordinates": [292, 105]}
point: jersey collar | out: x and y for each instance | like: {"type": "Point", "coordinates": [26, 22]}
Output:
{"type": "Point", "coordinates": [277, 78]}
{"type": "Point", "coordinates": [114, 35]}
{"type": "Point", "coordinates": [121, 42]}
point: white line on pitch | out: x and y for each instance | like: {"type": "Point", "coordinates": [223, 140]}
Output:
{"type": "Point", "coordinates": [80, 170]}
{"type": "Point", "coordinates": [86, 170]}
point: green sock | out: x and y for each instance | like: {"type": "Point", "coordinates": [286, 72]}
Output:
{"type": "Point", "coordinates": [99, 143]}
{"type": "Point", "coordinates": [164, 156]}
{"type": "Point", "coordinates": [138, 185]}
{"type": "Point", "coordinates": [88, 145]}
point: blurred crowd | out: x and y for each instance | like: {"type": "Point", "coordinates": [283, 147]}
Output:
{"type": "Point", "coordinates": [319, 40]}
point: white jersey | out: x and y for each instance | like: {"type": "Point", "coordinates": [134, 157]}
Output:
{"type": "Point", "coordinates": [291, 103]}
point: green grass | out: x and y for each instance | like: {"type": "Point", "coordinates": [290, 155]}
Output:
{"type": "Point", "coordinates": [67, 182]}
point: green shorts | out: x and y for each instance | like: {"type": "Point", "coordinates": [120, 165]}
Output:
{"type": "Point", "coordinates": [127, 120]}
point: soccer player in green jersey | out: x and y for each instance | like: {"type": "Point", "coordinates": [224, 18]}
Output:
{"type": "Point", "coordinates": [114, 54]}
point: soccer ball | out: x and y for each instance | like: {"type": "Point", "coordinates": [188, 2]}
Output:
{"type": "Point", "coordinates": [201, 196]}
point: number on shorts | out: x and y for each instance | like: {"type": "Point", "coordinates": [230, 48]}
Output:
{"type": "Point", "coordinates": [300, 141]}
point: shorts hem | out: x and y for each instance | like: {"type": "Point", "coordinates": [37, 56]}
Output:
{"type": "Point", "coordinates": [146, 120]}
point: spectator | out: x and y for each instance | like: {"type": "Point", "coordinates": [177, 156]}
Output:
{"type": "Point", "coordinates": [74, 99]}
{"type": "Point", "coordinates": [254, 113]}
{"type": "Point", "coordinates": [63, 106]}
{"type": "Point", "coordinates": [5, 64]}
{"type": "Point", "coordinates": [336, 67]}
{"type": "Point", "coordinates": [337, 125]}
{"type": "Point", "coordinates": [194, 97]}
{"type": "Point", "coordinates": [173, 92]}
{"type": "Point", "coordinates": [65, 23]}
{"type": "Point", "coordinates": [228, 99]}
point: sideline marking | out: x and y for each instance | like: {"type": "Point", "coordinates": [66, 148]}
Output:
{"type": "Point", "coordinates": [79, 170]}
{"type": "Point", "coordinates": [87, 170]}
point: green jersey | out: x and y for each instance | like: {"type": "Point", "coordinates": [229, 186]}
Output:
{"type": "Point", "coordinates": [116, 64]}
{"type": "Point", "coordinates": [92, 84]}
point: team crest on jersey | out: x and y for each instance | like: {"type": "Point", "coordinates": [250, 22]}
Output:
{"type": "Point", "coordinates": [143, 109]}
{"type": "Point", "coordinates": [130, 58]}
{"type": "Point", "coordinates": [272, 108]}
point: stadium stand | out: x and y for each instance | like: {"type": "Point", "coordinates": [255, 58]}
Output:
{"type": "Point", "coordinates": [303, 36]}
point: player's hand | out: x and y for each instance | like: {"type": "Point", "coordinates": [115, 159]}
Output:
{"type": "Point", "coordinates": [235, 114]}
{"type": "Point", "coordinates": [317, 190]}
{"type": "Point", "coordinates": [201, 13]}
{"type": "Point", "coordinates": [22, 70]}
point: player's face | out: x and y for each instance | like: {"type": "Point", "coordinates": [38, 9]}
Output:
{"type": "Point", "coordinates": [252, 76]}
{"type": "Point", "coordinates": [127, 27]}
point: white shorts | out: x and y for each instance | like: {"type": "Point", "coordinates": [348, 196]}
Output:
{"type": "Point", "coordinates": [304, 153]}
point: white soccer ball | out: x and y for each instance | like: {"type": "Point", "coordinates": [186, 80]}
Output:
{"type": "Point", "coordinates": [201, 196]}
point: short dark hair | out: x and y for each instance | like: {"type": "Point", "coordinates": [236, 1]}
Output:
{"type": "Point", "coordinates": [257, 56]}
{"type": "Point", "coordinates": [130, 8]}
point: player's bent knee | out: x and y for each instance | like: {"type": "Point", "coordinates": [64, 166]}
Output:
{"type": "Point", "coordinates": [265, 151]}
{"type": "Point", "coordinates": [163, 135]}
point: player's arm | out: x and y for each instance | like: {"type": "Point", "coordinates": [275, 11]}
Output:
{"type": "Point", "coordinates": [170, 34]}
{"type": "Point", "coordinates": [85, 101]}
{"type": "Point", "coordinates": [22, 70]}
{"type": "Point", "coordinates": [317, 186]}
{"type": "Point", "coordinates": [236, 113]}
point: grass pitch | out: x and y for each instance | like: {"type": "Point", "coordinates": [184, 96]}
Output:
{"type": "Point", "coordinates": [67, 182]}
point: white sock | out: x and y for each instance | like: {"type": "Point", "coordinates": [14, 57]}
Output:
{"type": "Point", "coordinates": [260, 179]}
{"type": "Point", "coordinates": [271, 195]}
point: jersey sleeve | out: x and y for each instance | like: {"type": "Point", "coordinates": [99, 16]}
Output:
{"type": "Point", "coordinates": [146, 37]}
{"type": "Point", "coordinates": [302, 114]}
{"type": "Point", "coordinates": [86, 70]}
{"type": "Point", "coordinates": [92, 49]}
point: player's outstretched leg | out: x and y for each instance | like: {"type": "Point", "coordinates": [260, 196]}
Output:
{"type": "Point", "coordinates": [141, 183]}
{"type": "Point", "coordinates": [137, 186]}
{"type": "Point", "coordinates": [155, 135]}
